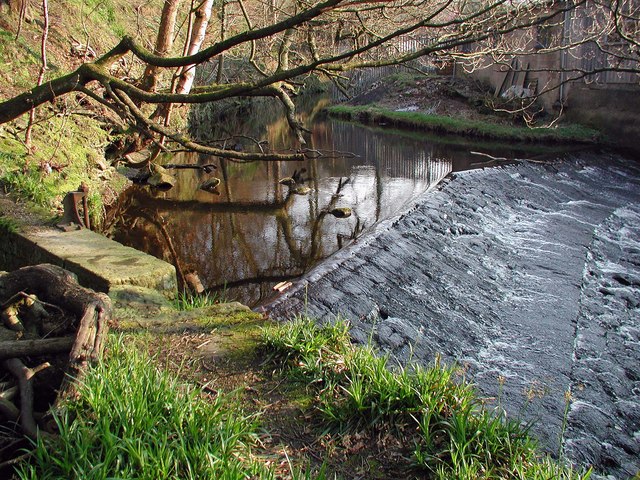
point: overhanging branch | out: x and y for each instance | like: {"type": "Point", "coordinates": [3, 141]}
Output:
{"type": "Point", "coordinates": [196, 147]}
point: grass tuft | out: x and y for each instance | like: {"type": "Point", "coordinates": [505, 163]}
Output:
{"type": "Point", "coordinates": [133, 421]}
{"type": "Point", "coordinates": [453, 435]}
{"type": "Point", "coordinates": [186, 301]}
{"type": "Point", "coordinates": [305, 349]}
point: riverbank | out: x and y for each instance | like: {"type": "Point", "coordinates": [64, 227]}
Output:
{"type": "Point", "coordinates": [456, 106]}
{"type": "Point", "coordinates": [276, 401]}
{"type": "Point", "coordinates": [69, 137]}
{"type": "Point", "coordinates": [527, 276]}
{"type": "Point", "coordinates": [415, 120]}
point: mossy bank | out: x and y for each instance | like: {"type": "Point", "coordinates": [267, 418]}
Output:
{"type": "Point", "coordinates": [462, 127]}
{"type": "Point", "coordinates": [69, 136]}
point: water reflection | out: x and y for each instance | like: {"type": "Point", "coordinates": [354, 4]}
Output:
{"type": "Point", "coordinates": [255, 232]}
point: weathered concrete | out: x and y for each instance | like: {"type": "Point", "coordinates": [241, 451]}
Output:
{"type": "Point", "coordinates": [528, 276]}
{"type": "Point", "coordinates": [98, 262]}
{"type": "Point", "coordinates": [613, 110]}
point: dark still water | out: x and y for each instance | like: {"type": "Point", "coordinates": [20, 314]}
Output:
{"type": "Point", "coordinates": [254, 232]}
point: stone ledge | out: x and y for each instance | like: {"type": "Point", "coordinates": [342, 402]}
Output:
{"type": "Point", "coordinates": [98, 262]}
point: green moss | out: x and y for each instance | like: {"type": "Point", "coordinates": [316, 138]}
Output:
{"type": "Point", "coordinates": [228, 319]}
{"type": "Point", "coordinates": [404, 79]}
{"type": "Point", "coordinates": [464, 127]}
{"type": "Point", "coordinates": [8, 225]}
{"type": "Point", "coordinates": [69, 147]}
{"type": "Point", "coordinates": [160, 316]}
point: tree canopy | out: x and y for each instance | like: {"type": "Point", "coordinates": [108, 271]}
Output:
{"type": "Point", "coordinates": [282, 42]}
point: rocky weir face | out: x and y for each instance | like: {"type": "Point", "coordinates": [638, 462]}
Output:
{"type": "Point", "coordinates": [527, 276]}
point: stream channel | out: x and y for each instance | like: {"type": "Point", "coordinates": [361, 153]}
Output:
{"type": "Point", "coordinates": [252, 233]}
{"type": "Point", "coordinates": [527, 275]}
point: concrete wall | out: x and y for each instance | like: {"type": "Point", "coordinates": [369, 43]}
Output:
{"type": "Point", "coordinates": [18, 251]}
{"type": "Point", "coordinates": [98, 262]}
{"type": "Point", "coordinates": [613, 110]}
{"type": "Point", "coordinates": [498, 77]}
{"type": "Point", "coordinates": [608, 100]}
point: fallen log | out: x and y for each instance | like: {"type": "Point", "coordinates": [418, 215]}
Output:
{"type": "Point", "coordinates": [24, 348]}
{"type": "Point", "coordinates": [24, 375]}
{"type": "Point", "coordinates": [85, 314]}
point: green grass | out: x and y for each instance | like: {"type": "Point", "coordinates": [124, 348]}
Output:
{"type": "Point", "coordinates": [8, 225]}
{"type": "Point", "coordinates": [104, 12]}
{"type": "Point", "coordinates": [186, 301]}
{"type": "Point", "coordinates": [29, 185]}
{"type": "Point", "coordinates": [455, 436]}
{"type": "Point", "coordinates": [132, 420]}
{"type": "Point", "coordinates": [403, 79]}
{"type": "Point", "coordinates": [497, 146]}
{"type": "Point", "coordinates": [464, 127]}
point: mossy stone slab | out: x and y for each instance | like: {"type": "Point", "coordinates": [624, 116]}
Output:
{"type": "Point", "coordinates": [99, 262]}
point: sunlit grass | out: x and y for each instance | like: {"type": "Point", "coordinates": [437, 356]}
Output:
{"type": "Point", "coordinates": [455, 436]}
{"type": "Point", "coordinates": [186, 300]}
{"type": "Point", "coordinates": [462, 126]}
{"type": "Point", "coordinates": [135, 421]}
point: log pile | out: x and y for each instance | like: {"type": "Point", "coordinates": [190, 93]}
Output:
{"type": "Point", "coordinates": [52, 329]}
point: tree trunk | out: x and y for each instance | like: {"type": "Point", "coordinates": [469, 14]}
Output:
{"type": "Point", "coordinates": [164, 42]}
{"type": "Point", "coordinates": [202, 14]}
{"type": "Point", "coordinates": [187, 74]}
{"type": "Point", "coordinates": [222, 37]}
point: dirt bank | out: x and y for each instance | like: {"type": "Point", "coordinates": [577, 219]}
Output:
{"type": "Point", "coordinates": [458, 97]}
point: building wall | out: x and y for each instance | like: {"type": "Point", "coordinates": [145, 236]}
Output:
{"type": "Point", "coordinates": [607, 100]}
{"type": "Point", "coordinates": [526, 72]}
{"type": "Point", "coordinates": [614, 110]}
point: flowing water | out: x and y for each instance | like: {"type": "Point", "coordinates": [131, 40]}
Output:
{"type": "Point", "coordinates": [254, 232]}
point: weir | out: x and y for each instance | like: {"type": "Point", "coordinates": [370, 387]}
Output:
{"type": "Point", "coordinates": [527, 278]}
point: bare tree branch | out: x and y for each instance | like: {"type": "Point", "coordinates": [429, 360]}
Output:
{"type": "Point", "coordinates": [287, 41]}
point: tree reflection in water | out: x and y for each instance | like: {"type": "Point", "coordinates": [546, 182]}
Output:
{"type": "Point", "coordinates": [256, 232]}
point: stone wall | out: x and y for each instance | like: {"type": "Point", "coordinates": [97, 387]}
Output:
{"type": "Point", "coordinates": [98, 262]}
